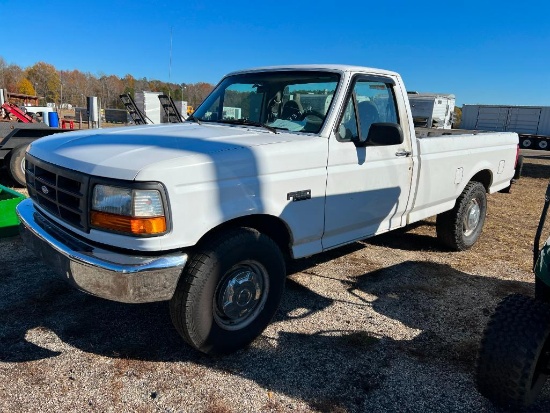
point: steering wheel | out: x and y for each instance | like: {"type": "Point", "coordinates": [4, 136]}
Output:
{"type": "Point", "coordinates": [291, 111]}
{"type": "Point", "coordinates": [312, 113]}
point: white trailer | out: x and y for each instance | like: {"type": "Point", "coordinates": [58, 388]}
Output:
{"type": "Point", "coordinates": [149, 104]}
{"type": "Point", "coordinates": [531, 123]}
{"type": "Point", "coordinates": [432, 110]}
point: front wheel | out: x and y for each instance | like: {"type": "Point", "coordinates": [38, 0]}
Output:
{"type": "Point", "coordinates": [229, 291]}
{"type": "Point", "coordinates": [460, 228]}
{"type": "Point", "coordinates": [512, 364]}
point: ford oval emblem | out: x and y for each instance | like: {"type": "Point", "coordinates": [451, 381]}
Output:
{"type": "Point", "coordinates": [45, 189]}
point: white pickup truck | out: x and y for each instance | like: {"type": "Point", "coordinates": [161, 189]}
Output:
{"type": "Point", "coordinates": [277, 163]}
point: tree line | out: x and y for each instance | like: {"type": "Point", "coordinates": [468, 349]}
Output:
{"type": "Point", "coordinates": [63, 87]}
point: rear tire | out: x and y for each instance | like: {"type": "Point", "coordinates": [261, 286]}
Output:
{"type": "Point", "coordinates": [542, 144]}
{"type": "Point", "coordinates": [512, 364]}
{"type": "Point", "coordinates": [229, 291]}
{"type": "Point", "coordinates": [460, 228]}
{"type": "Point", "coordinates": [519, 168]}
{"type": "Point", "coordinates": [17, 164]}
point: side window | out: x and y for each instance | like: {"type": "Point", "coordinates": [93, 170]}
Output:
{"type": "Point", "coordinates": [348, 126]}
{"type": "Point", "coordinates": [371, 102]}
{"type": "Point", "coordinates": [375, 103]}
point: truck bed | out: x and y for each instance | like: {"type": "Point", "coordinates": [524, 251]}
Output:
{"type": "Point", "coordinates": [432, 133]}
{"type": "Point", "coordinates": [447, 164]}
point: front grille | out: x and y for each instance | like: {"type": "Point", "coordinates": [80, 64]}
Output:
{"type": "Point", "coordinates": [60, 191]}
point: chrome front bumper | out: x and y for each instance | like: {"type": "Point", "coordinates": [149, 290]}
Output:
{"type": "Point", "coordinates": [112, 275]}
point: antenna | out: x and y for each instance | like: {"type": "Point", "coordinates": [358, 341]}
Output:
{"type": "Point", "coordinates": [170, 65]}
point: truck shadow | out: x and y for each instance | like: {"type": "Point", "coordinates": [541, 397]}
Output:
{"type": "Point", "coordinates": [403, 239]}
{"type": "Point", "coordinates": [347, 364]}
{"type": "Point", "coordinates": [535, 170]}
{"type": "Point", "coordinates": [5, 179]}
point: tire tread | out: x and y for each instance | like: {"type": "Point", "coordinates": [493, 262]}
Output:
{"type": "Point", "coordinates": [510, 348]}
{"type": "Point", "coordinates": [449, 225]}
{"type": "Point", "coordinates": [195, 276]}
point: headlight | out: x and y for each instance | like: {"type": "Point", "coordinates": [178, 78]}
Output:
{"type": "Point", "coordinates": [135, 211]}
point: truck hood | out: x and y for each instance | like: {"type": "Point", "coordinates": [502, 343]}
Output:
{"type": "Point", "coordinates": [123, 152]}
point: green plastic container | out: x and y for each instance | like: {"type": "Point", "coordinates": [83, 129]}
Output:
{"type": "Point", "coordinates": [9, 223]}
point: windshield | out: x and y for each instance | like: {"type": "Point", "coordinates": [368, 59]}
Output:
{"type": "Point", "coordinates": [296, 101]}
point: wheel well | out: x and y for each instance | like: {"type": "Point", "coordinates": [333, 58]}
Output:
{"type": "Point", "coordinates": [484, 177]}
{"type": "Point", "coordinates": [269, 225]}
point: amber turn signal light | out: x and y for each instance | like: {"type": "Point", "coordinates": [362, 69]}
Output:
{"type": "Point", "coordinates": [132, 225]}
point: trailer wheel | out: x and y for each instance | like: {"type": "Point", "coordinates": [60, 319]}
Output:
{"type": "Point", "coordinates": [229, 291]}
{"type": "Point", "coordinates": [526, 143]}
{"type": "Point", "coordinates": [542, 144]}
{"type": "Point", "coordinates": [17, 164]}
{"type": "Point", "coordinates": [512, 364]}
{"type": "Point", "coordinates": [460, 228]}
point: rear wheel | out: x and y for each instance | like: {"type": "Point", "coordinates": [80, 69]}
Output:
{"type": "Point", "coordinates": [542, 144]}
{"type": "Point", "coordinates": [513, 359]}
{"type": "Point", "coordinates": [519, 168]}
{"type": "Point", "coordinates": [460, 228]}
{"type": "Point", "coordinates": [229, 291]}
{"type": "Point", "coordinates": [17, 164]}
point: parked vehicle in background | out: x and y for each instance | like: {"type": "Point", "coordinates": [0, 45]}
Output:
{"type": "Point", "coordinates": [432, 110]}
{"type": "Point", "coordinates": [205, 213]}
{"type": "Point", "coordinates": [531, 123]}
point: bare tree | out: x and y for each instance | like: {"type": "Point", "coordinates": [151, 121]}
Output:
{"type": "Point", "coordinates": [12, 75]}
{"type": "Point", "coordinates": [75, 86]}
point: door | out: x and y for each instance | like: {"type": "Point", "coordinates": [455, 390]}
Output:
{"type": "Point", "coordinates": [367, 187]}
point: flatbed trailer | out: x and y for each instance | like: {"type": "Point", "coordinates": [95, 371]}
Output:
{"type": "Point", "coordinates": [531, 123]}
{"type": "Point", "coordinates": [14, 139]}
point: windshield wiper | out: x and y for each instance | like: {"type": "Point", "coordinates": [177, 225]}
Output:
{"type": "Point", "coordinates": [248, 123]}
{"type": "Point", "coordinates": [192, 118]}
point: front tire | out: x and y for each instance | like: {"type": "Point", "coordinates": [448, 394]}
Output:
{"type": "Point", "coordinates": [229, 291]}
{"type": "Point", "coordinates": [512, 364]}
{"type": "Point", "coordinates": [460, 228]}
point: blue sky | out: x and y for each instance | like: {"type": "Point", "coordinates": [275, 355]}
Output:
{"type": "Point", "coordinates": [483, 52]}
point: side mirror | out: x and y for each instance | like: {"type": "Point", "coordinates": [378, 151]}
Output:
{"type": "Point", "coordinates": [383, 134]}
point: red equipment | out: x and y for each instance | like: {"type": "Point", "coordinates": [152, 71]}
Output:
{"type": "Point", "coordinates": [18, 113]}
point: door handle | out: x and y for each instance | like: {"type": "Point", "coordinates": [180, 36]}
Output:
{"type": "Point", "coordinates": [403, 152]}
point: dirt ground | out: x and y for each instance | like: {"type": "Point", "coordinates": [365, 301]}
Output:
{"type": "Point", "coordinates": [390, 324]}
